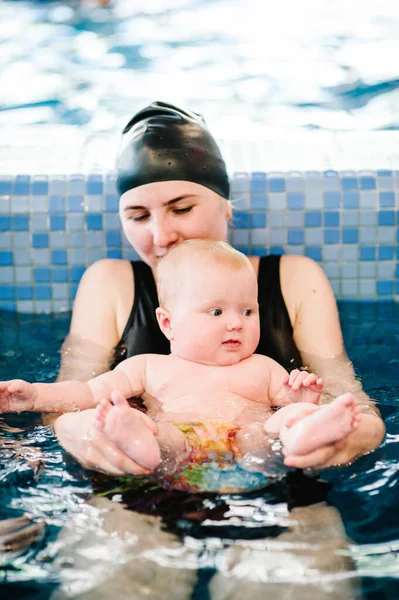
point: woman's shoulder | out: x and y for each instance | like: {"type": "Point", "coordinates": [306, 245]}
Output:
{"type": "Point", "coordinates": [111, 268]}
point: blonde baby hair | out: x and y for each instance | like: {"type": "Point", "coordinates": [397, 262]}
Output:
{"type": "Point", "coordinates": [175, 267]}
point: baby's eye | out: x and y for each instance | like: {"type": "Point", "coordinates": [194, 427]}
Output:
{"type": "Point", "coordinates": [247, 312]}
{"type": "Point", "coordinates": [216, 312]}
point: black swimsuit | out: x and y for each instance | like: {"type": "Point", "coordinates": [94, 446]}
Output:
{"type": "Point", "coordinates": [142, 334]}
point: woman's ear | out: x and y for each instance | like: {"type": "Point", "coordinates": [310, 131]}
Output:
{"type": "Point", "coordinates": [229, 210]}
{"type": "Point", "coordinates": [164, 322]}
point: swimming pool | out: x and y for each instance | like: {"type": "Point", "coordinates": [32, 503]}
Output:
{"type": "Point", "coordinates": [210, 546]}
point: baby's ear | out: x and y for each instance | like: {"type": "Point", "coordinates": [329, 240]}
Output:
{"type": "Point", "coordinates": [164, 322]}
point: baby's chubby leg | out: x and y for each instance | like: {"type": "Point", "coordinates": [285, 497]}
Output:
{"type": "Point", "coordinates": [304, 427]}
{"type": "Point", "coordinates": [129, 429]}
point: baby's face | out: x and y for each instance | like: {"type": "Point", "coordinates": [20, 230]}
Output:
{"type": "Point", "coordinates": [215, 319]}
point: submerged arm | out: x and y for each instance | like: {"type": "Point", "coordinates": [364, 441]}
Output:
{"type": "Point", "coordinates": [318, 336]}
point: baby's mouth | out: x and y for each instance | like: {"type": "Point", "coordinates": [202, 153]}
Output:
{"type": "Point", "coordinates": [232, 343]}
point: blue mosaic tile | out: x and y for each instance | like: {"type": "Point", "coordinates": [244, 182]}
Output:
{"type": "Point", "coordinates": [368, 217]}
{"type": "Point", "coordinates": [350, 253]}
{"type": "Point", "coordinates": [110, 184]}
{"type": "Point", "coordinates": [258, 182]}
{"type": "Point", "coordinates": [39, 187]}
{"type": "Point", "coordinates": [387, 199]}
{"type": "Point", "coordinates": [23, 274]}
{"type": "Point", "coordinates": [386, 252]}
{"type": "Point", "coordinates": [20, 222]}
{"type": "Point", "coordinates": [59, 257]}
{"type": "Point", "coordinates": [43, 292]}
{"type": "Point", "coordinates": [397, 272]}
{"type": "Point", "coordinates": [6, 275]}
{"type": "Point", "coordinates": [239, 183]}
{"type": "Point", "coordinates": [24, 292]}
{"type": "Point", "coordinates": [240, 220]}
{"type": "Point", "coordinates": [94, 221]}
{"type": "Point", "coordinates": [385, 288]}
{"type": "Point", "coordinates": [314, 252]}
{"type": "Point", "coordinates": [368, 235]}
{"type": "Point", "coordinates": [386, 217]}
{"type": "Point", "coordinates": [57, 185]}
{"type": "Point", "coordinates": [41, 274]}
{"type": "Point", "coordinates": [259, 201]}
{"type": "Point", "coordinates": [111, 203]}
{"type": "Point", "coordinates": [6, 259]}
{"type": "Point", "coordinates": [295, 237]}
{"type": "Point", "coordinates": [385, 269]}
{"type": "Point", "coordinates": [331, 236]}
{"type": "Point", "coordinates": [350, 236]}
{"type": "Point", "coordinates": [113, 238]}
{"type": "Point", "coordinates": [5, 223]}
{"type": "Point", "coordinates": [278, 237]}
{"type": "Point", "coordinates": [276, 184]}
{"type": "Point", "coordinates": [331, 219]}
{"type": "Point", "coordinates": [258, 237]}
{"type": "Point", "coordinates": [56, 204]}
{"type": "Point", "coordinates": [40, 240]}
{"type": "Point", "coordinates": [350, 200]}
{"type": "Point", "coordinates": [313, 218]}
{"type": "Point", "coordinates": [57, 222]}
{"type": "Point", "coordinates": [332, 199]}
{"type": "Point", "coordinates": [350, 218]}
{"type": "Point", "coordinates": [386, 235]}
{"type": "Point", "coordinates": [277, 250]}
{"type": "Point", "coordinates": [21, 257]}
{"type": "Point", "coordinates": [295, 183]}
{"type": "Point", "coordinates": [367, 253]}
{"type": "Point", "coordinates": [75, 204]}
{"type": "Point", "coordinates": [258, 251]}
{"type": "Point", "coordinates": [295, 200]}
{"type": "Point", "coordinates": [76, 239]}
{"type": "Point", "coordinates": [349, 270]}
{"type": "Point", "coordinates": [314, 237]}
{"type": "Point", "coordinates": [7, 292]}
{"type": "Point", "coordinates": [77, 273]}
{"type": "Point", "coordinates": [5, 187]}
{"type": "Point", "coordinates": [331, 253]}
{"type": "Point", "coordinates": [276, 219]}
{"type": "Point", "coordinates": [76, 185]}
{"type": "Point", "coordinates": [277, 201]}
{"type": "Point", "coordinates": [241, 237]}
{"type": "Point", "coordinates": [60, 274]}
{"type": "Point", "coordinates": [367, 182]}
{"type": "Point", "coordinates": [367, 269]}
{"type": "Point", "coordinates": [295, 219]}
{"type": "Point", "coordinates": [111, 222]}
{"type": "Point", "coordinates": [21, 185]}
{"type": "Point", "coordinates": [75, 222]}
{"type": "Point", "coordinates": [94, 185]}
{"type": "Point", "coordinates": [349, 183]}
{"type": "Point", "coordinates": [114, 253]}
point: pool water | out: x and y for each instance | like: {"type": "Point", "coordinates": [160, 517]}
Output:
{"type": "Point", "coordinates": [201, 534]}
{"type": "Point", "coordinates": [247, 66]}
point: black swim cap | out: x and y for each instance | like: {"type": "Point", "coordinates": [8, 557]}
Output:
{"type": "Point", "coordinates": [164, 143]}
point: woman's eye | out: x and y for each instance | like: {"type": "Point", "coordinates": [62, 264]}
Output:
{"type": "Point", "coordinates": [139, 218]}
{"type": "Point", "coordinates": [216, 312]}
{"type": "Point", "coordinates": [182, 211]}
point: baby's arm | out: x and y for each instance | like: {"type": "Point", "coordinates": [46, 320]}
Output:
{"type": "Point", "coordinates": [18, 395]}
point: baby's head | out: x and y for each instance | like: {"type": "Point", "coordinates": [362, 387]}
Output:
{"type": "Point", "coordinates": [208, 302]}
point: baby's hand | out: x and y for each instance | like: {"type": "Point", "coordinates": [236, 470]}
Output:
{"type": "Point", "coordinates": [304, 386]}
{"type": "Point", "coordinates": [16, 396]}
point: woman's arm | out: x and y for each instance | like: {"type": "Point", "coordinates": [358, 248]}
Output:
{"type": "Point", "coordinates": [101, 309]}
{"type": "Point", "coordinates": [317, 333]}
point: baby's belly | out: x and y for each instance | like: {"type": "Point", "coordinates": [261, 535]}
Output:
{"type": "Point", "coordinates": [205, 407]}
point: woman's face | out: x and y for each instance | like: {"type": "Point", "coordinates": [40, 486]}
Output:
{"type": "Point", "coordinates": [157, 216]}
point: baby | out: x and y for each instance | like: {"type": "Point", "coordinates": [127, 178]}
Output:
{"type": "Point", "coordinates": [212, 397]}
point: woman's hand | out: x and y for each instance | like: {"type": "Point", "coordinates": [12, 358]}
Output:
{"type": "Point", "coordinates": [365, 438]}
{"type": "Point", "coordinates": [91, 447]}
{"type": "Point", "coordinates": [17, 395]}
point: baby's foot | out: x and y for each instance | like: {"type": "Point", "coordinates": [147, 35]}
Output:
{"type": "Point", "coordinates": [327, 425]}
{"type": "Point", "coordinates": [131, 430]}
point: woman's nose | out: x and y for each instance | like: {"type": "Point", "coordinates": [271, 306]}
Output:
{"type": "Point", "coordinates": [163, 234]}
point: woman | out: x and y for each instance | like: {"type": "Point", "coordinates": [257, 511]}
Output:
{"type": "Point", "coordinates": [173, 186]}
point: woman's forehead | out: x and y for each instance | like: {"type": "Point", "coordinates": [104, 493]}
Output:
{"type": "Point", "coordinates": [163, 193]}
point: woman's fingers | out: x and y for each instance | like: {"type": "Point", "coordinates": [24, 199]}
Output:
{"type": "Point", "coordinates": [101, 453]}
